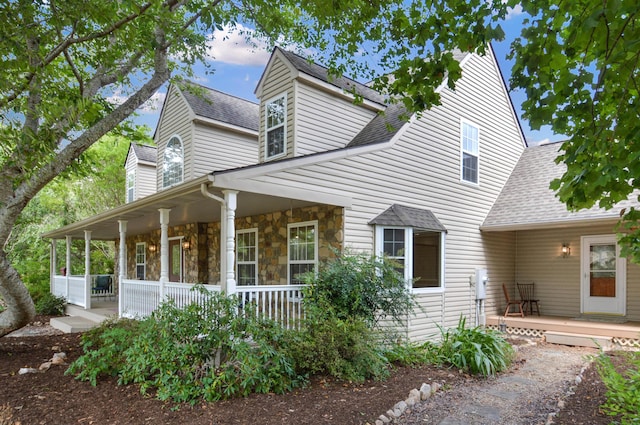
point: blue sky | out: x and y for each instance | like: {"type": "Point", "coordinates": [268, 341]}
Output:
{"type": "Point", "coordinates": [238, 68]}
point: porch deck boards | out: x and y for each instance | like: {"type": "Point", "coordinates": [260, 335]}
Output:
{"type": "Point", "coordinates": [570, 325]}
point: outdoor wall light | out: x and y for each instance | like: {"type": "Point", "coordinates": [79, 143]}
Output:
{"type": "Point", "coordinates": [152, 247]}
{"type": "Point", "coordinates": [566, 250]}
{"type": "Point", "coordinates": [186, 244]}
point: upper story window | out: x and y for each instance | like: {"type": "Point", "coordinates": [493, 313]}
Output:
{"type": "Point", "coordinates": [275, 126]}
{"type": "Point", "coordinates": [470, 143]}
{"type": "Point", "coordinates": [247, 257]}
{"type": "Point", "coordinates": [303, 250]}
{"type": "Point", "coordinates": [173, 164]}
{"type": "Point", "coordinates": [131, 186]}
{"type": "Point", "coordinates": [418, 254]}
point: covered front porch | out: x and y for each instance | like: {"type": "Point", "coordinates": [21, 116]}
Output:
{"type": "Point", "coordinates": [252, 245]}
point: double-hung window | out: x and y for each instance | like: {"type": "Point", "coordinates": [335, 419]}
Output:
{"type": "Point", "coordinates": [141, 260]}
{"type": "Point", "coordinates": [470, 144]}
{"type": "Point", "coordinates": [275, 128]}
{"type": "Point", "coordinates": [417, 253]}
{"type": "Point", "coordinates": [247, 257]}
{"type": "Point", "coordinates": [173, 164]}
{"type": "Point", "coordinates": [303, 249]}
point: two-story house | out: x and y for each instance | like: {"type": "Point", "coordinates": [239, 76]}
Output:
{"type": "Point", "coordinates": [249, 196]}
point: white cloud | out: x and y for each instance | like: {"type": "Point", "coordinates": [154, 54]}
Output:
{"type": "Point", "coordinates": [514, 11]}
{"type": "Point", "coordinates": [231, 46]}
{"type": "Point", "coordinates": [154, 103]}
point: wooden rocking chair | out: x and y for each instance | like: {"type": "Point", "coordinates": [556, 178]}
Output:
{"type": "Point", "coordinates": [510, 303]}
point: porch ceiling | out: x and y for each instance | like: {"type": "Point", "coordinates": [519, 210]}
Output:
{"type": "Point", "coordinates": [187, 205]}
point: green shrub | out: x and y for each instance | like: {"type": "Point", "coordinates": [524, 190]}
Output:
{"type": "Point", "coordinates": [50, 305]}
{"type": "Point", "coordinates": [202, 351]}
{"type": "Point", "coordinates": [359, 286]}
{"type": "Point", "coordinates": [474, 350]}
{"type": "Point", "coordinates": [346, 349]}
{"type": "Point", "coordinates": [623, 388]}
{"type": "Point", "coordinates": [105, 349]}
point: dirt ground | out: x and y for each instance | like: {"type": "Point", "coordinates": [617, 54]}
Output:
{"type": "Point", "coordinates": [54, 398]}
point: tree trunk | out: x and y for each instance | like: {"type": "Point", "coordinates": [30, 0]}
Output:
{"type": "Point", "coordinates": [20, 308]}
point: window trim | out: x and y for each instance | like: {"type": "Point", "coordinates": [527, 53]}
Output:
{"type": "Point", "coordinates": [131, 178]}
{"type": "Point", "coordinates": [464, 122]}
{"type": "Point", "coordinates": [253, 230]}
{"type": "Point", "coordinates": [267, 128]}
{"type": "Point", "coordinates": [290, 262]}
{"type": "Point", "coordinates": [164, 160]}
{"type": "Point", "coordinates": [144, 263]}
{"type": "Point", "coordinates": [408, 257]}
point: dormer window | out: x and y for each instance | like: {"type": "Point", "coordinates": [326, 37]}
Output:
{"type": "Point", "coordinates": [275, 128]}
{"type": "Point", "coordinates": [173, 164]}
{"type": "Point", "coordinates": [131, 186]}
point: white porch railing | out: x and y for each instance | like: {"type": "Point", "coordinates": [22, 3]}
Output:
{"type": "Point", "coordinates": [73, 288]}
{"type": "Point", "coordinates": [282, 303]}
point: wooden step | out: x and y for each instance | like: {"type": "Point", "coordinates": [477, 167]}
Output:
{"type": "Point", "coordinates": [578, 340]}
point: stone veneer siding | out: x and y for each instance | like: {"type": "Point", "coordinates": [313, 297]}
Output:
{"type": "Point", "coordinates": [202, 260]}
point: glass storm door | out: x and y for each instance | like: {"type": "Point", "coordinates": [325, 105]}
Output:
{"type": "Point", "coordinates": [175, 260]}
{"type": "Point", "coordinates": [603, 276]}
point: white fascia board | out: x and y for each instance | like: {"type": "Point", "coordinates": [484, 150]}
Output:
{"type": "Point", "coordinates": [550, 224]}
{"type": "Point", "coordinates": [226, 126]}
{"type": "Point", "coordinates": [158, 197]}
{"type": "Point", "coordinates": [276, 189]}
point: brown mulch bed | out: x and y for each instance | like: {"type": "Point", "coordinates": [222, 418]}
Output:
{"type": "Point", "coordinates": [52, 397]}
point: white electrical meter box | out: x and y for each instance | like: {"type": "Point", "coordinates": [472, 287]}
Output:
{"type": "Point", "coordinates": [481, 284]}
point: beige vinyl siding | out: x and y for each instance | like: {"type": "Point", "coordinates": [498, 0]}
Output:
{"type": "Point", "coordinates": [145, 181]}
{"type": "Point", "coordinates": [325, 121]}
{"type": "Point", "coordinates": [176, 119]}
{"type": "Point", "coordinates": [217, 148]}
{"type": "Point", "coordinates": [423, 170]}
{"type": "Point", "coordinates": [278, 81]}
{"type": "Point", "coordinates": [557, 279]}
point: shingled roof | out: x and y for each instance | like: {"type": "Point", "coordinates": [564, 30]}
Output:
{"type": "Point", "coordinates": [144, 152]}
{"type": "Point", "coordinates": [322, 73]}
{"type": "Point", "coordinates": [223, 107]}
{"type": "Point", "coordinates": [401, 215]}
{"type": "Point", "coordinates": [527, 202]}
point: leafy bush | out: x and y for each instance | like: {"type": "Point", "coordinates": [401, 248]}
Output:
{"type": "Point", "coordinates": [50, 305]}
{"type": "Point", "coordinates": [202, 351]}
{"type": "Point", "coordinates": [105, 349]}
{"type": "Point", "coordinates": [474, 350]}
{"type": "Point", "coordinates": [359, 286]}
{"type": "Point", "coordinates": [346, 349]}
{"type": "Point", "coordinates": [623, 388]}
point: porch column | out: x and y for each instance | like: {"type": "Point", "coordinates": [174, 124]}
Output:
{"type": "Point", "coordinates": [223, 246]}
{"type": "Point", "coordinates": [53, 266]}
{"type": "Point", "coordinates": [122, 272]}
{"type": "Point", "coordinates": [87, 269]}
{"type": "Point", "coordinates": [67, 267]}
{"type": "Point", "coordinates": [164, 250]}
{"type": "Point", "coordinates": [231, 201]}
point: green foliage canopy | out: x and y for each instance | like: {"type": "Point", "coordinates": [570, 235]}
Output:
{"type": "Point", "coordinates": [578, 65]}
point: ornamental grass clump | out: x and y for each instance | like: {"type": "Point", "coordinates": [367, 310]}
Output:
{"type": "Point", "coordinates": [474, 350]}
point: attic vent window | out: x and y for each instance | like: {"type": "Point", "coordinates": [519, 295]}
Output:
{"type": "Point", "coordinates": [172, 167]}
{"type": "Point", "coordinates": [470, 141]}
{"type": "Point", "coordinates": [276, 115]}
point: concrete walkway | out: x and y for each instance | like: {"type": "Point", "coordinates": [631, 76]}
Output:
{"type": "Point", "coordinates": [529, 394]}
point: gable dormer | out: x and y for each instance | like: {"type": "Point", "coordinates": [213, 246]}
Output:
{"type": "Point", "coordinates": [140, 168]}
{"type": "Point", "coordinates": [303, 110]}
{"type": "Point", "coordinates": [202, 130]}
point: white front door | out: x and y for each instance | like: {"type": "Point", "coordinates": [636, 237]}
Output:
{"type": "Point", "coordinates": [604, 276]}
